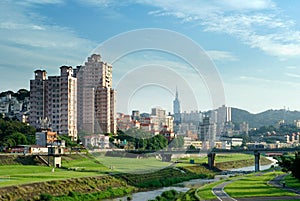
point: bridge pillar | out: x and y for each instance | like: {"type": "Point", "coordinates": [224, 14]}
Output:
{"type": "Point", "coordinates": [211, 159]}
{"type": "Point", "coordinates": [256, 161]}
{"type": "Point", "coordinates": [166, 157]}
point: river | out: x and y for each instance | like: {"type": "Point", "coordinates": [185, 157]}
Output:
{"type": "Point", "coordinates": [180, 187]}
{"type": "Point", "coordinates": [185, 186]}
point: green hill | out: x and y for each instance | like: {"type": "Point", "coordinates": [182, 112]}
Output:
{"type": "Point", "coordinates": [266, 118]}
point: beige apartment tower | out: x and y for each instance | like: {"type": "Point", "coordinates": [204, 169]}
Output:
{"type": "Point", "coordinates": [54, 99]}
{"type": "Point", "coordinates": [96, 98]}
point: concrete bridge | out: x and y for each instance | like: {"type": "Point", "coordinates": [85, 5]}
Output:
{"type": "Point", "coordinates": [256, 152]}
{"type": "Point", "coordinates": [211, 154]}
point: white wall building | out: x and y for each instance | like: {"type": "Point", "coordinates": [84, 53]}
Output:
{"type": "Point", "coordinates": [96, 98]}
{"type": "Point", "coordinates": [97, 141]}
{"type": "Point", "coordinates": [54, 99]}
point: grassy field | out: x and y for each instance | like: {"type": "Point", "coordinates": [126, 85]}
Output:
{"type": "Point", "coordinates": [219, 158]}
{"type": "Point", "coordinates": [22, 174]}
{"type": "Point", "coordinates": [76, 166]}
{"type": "Point", "coordinates": [251, 186]}
{"type": "Point", "coordinates": [292, 182]}
{"type": "Point", "coordinates": [205, 192]}
{"type": "Point", "coordinates": [115, 164]}
{"type": "Point", "coordinates": [133, 165]}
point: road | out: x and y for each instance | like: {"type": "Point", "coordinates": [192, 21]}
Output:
{"type": "Point", "coordinates": [219, 192]}
{"type": "Point", "coordinates": [221, 195]}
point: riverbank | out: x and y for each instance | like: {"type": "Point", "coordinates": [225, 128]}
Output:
{"type": "Point", "coordinates": [36, 180]}
{"type": "Point", "coordinates": [89, 188]}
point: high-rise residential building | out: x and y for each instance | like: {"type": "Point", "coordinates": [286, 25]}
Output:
{"type": "Point", "coordinates": [54, 99]}
{"type": "Point", "coordinates": [222, 117]}
{"type": "Point", "coordinates": [207, 133]}
{"type": "Point", "coordinates": [224, 114]}
{"type": "Point", "coordinates": [38, 104]}
{"type": "Point", "coordinates": [96, 98]}
{"type": "Point", "coordinates": [159, 119]}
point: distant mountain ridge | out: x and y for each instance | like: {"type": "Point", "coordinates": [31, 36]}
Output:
{"type": "Point", "coordinates": [266, 118]}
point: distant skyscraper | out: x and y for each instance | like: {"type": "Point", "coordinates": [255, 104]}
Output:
{"type": "Point", "coordinates": [96, 98]}
{"type": "Point", "coordinates": [176, 109]}
{"type": "Point", "coordinates": [207, 133]}
{"type": "Point", "coordinates": [54, 99]}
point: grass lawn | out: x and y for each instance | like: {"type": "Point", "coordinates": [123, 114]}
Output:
{"type": "Point", "coordinates": [133, 165]}
{"type": "Point", "coordinates": [205, 192]}
{"type": "Point", "coordinates": [21, 174]}
{"type": "Point", "coordinates": [251, 186]}
{"type": "Point", "coordinates": [83, 163]}
{"type": "Point", "coordinates": [292, 181]}
{"type": "Point", "coordinates": [219, 158]}
{"type": "Point", "coordinates": [84, 166]}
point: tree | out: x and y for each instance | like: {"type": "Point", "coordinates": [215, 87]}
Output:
{"type": "Point", "coordinates": [177, 142]}
{"type": "Point", "coordinates": [192, 147]}
{"type": "Point", "coordinates": [290, 164]}
{"type": "Point", "coordinates": [22, 94]}
{"type": "Point", "coordinates": [14, 132]}
{"type": "Point", "coordinates": [68, 141]}
{"type": "Point", "coordinates": [142, 140]}
{"type": "Point", "coordinates": [295, 166]}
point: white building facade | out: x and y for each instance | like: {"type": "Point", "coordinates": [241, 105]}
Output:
{"type": "Point", "coordinates": [96, 98]}
{"type": "Point", "coordinates": [54, 99]}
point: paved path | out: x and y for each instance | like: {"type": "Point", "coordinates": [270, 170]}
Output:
{"type": "Point", "coordinates": [277, 183]}
{"type": "Point", "coordinates": [219, 192]}
{"type": "Point", "coordinates": [221, 195]}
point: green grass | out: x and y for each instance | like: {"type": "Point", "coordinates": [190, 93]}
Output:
{"type": "Point", "coordinates": [83, 163]}
{"type": "Point", "coordinates": [115, 164]}
{"type": "Point", "coordinates": [84, 166]}
{"type": "Point", "coordinates": [251, 186]}
{"type": "Point", "coordinates": [292, 181]}
{"type": "Point", "coordinates": [22, 174]}
{"type": "Point", "coordinates": [219, 158]}
{"type": "Point", "coordinates": [205, 192]}
{"type": "Point", "coordinates": [133, 165]}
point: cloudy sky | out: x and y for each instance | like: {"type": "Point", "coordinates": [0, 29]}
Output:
{"type": "Point", "coordinates": [254, 46]}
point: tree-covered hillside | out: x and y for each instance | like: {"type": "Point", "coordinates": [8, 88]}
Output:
{"type": "Point", "coordinates": [266, 118]}
{"type": "Point", "coordinates": [13, 132]}
{"type": "Point", "coordinates": [21, 94]}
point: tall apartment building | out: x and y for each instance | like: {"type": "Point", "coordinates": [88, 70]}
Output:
{"type": "Point", "coordinates": [54, 99]}
{"type": "Point", "coordinates": [207, 133]}
{"type": "Point", "coordinates": [96, 98]}
{"type": "Point", "coordinates": [38, 108]}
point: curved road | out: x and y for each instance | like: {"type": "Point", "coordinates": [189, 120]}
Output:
{"type": "Point", "coordinates": [221, 195]}
{"type": "Point", "coordinates": [219, 192]}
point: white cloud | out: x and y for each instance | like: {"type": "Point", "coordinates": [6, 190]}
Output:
{"type": "Point", "coordinates": [28, 41]}
{"type": "Point", "coordinates": [292, 75]}
{"type": "Point", "coordinates": [271, 83]}
{"type": "Point", "coordinates": [221, 55]}
{"type": "Point", "coordinates": [31, 33]}
{"type": "Point", "coordinates": [291, 67]}
{"type": "Point", "coordinates": [246, 5]}
{"type": "Point", "coordinates": [257, 23]}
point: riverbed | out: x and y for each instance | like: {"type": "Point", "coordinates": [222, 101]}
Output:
{"type": "Point", "coordinates": [187, 185]}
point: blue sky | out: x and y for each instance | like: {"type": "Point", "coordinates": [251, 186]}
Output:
{"type": "Point", "coordinates": [255, 46]}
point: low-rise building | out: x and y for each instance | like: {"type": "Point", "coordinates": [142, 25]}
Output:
{"type": "Point", "coordinates": [45, 137]}
{"type": "Point", "coordinates": [96, 141]}
{"type": "Point", "coordinates": [228, 142]}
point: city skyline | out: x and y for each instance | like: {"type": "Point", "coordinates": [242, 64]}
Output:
{"type": "Point", "coordinates": [253, 45]}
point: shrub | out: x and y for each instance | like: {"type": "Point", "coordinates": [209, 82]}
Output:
{"type": "Point", "coordinates": [46, 197]}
